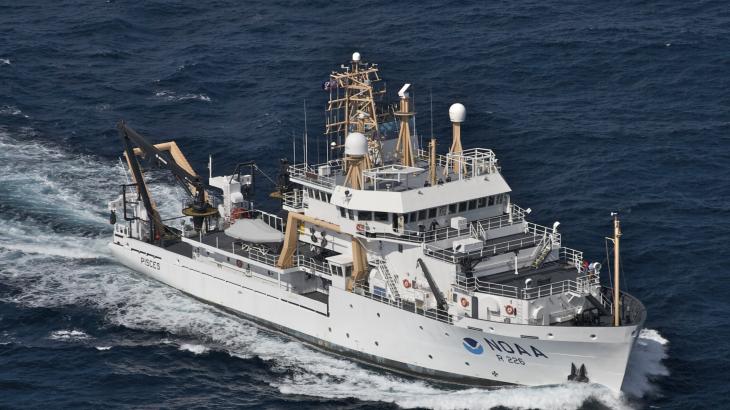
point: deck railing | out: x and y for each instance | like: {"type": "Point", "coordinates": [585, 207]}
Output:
{"type": "Point", "coordinates": [571, 256]}
{"type": "Point", "coordinates": [446, 232]}
{"type": "Point", "coordinates": [582, 285]}
{"type": "Point", "coordinates": [436, 314]}
{"type": "Point", "coordinates": [311, 174]}
{"type": "Point", "coordinates": [272, 220]}
{"type": "Point", "coordinates": [312, 264]}
{"type": "Point", "coordinates": [535, 232]}
{"type": "Point", "coordinates": [482, 286]}
{"type": "Point", "coordinates": [469, 163]}
{"type": "Point", "coordinates": [294, 199]}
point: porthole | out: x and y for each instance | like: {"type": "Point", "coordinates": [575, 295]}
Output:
{"type": "Point", "coordinates": [467, 363]}
{"type": "Point", "coordinates": [330, 329]}
{"type": "Point", "coordinates": [350, 305]}
{"type": "Point", "coordinates": [447, 334]}
{"type": "Point", "coordinates": [491, 329]}
{"type": "Point", "coordinates": [420, 327]}
{"type": "Point", "coordinates": [593, 337]}
{"type": "Point", "coordinates": [377, 344]}
{"type": "Point", "coordinates": [550, 335]}
{"type": "Point", "coordinates": [348, 335]}
{"type": "Point", "coordinates": [430, 357]}
{"type": "Point", "coordinates": [378, 314]}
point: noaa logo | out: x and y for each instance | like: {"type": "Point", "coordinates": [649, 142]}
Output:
{"type": "Point", "coordinates": [473, 346]}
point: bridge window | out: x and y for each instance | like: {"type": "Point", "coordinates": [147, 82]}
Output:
{"type": "Point", "coordinates": [482, 202]}
{"type": "Point", "coordinates": [432, 213]}
{"type": "Point", "coordinates": [453, 208]}
{"type": "Point", "coordinates": [472, 204]}
{"type": "Point", "coordinates": [364, 216]}
{"type": "Point", "coordinates": [462, 206]}
{"type": "Point", "coordinates": [491, 200]}
{"type": "Point", "coordinates": [343, 212]}
{"type": "Point", "coordinates": [381, 216]}
{"type": "Point", "coordinates": [422, 214]}
{"type": "Point", "coordinates": [351, 214]}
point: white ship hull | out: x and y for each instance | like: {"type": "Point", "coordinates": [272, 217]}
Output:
{"type": "Point", "coordinates": [393, 338]}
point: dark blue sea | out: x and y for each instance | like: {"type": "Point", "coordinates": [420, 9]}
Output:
{"type": "Point", "coordinates": [591, 107]}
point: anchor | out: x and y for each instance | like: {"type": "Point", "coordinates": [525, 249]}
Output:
{"type": "Point", "coordinates": [578, 375]}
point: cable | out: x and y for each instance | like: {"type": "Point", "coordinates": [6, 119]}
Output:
{"type": "Point", "coordinates": [610, 276]}
{"type": "Point", "coordinates": [264, 174]}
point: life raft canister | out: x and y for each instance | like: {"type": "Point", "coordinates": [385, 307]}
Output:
{"type": "Point", "coordinates": [464, 302]}
{"type": "Point", "coordinates": [510, 310]}
{"type": "Point", "coordinates": [406, 283]}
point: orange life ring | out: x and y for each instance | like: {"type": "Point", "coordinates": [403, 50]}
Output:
{"type": "Point", "coordinates": [406, 283]}
{"type": "Point", "coordinates": [464, 302]}
{"type": "Point", "coordinates": [239, 263]}
{"type": "Point", "coordinates": [360, 227]}
{"type": "Point", "coordinates": [510, 310]}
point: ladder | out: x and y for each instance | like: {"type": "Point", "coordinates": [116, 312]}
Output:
{"type": "Point", "coordinates": [383, 267]}
{"type": "Point", "coordinates": [477, 231]}
{"type": "Point", "coordinates": [543, 250]}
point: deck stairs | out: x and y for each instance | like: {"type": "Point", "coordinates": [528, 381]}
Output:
{"type": "Point", "coordinates": [383, 267]}
{"type": "Point", "coordinates": [543, 250]}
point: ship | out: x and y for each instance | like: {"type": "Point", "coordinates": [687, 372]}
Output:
{"type": "Point", "coordinates": [389, 252]}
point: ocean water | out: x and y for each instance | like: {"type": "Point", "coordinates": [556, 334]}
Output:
{"type": "Point", "coordinates": [591, 107]}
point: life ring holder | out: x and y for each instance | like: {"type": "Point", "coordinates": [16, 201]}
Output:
{"type": "Point", "coordinates": [510, 310]}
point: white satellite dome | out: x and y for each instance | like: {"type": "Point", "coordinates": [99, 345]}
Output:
{"type": "Point", "coordinates": [356, 144]}
{"type": "Point", "coordinates": [457, 112]}
{"type": "Point", "coordinates": [356, 57]}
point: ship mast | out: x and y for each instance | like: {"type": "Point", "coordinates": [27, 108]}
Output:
{"type": "Point", "coordinates": [617, 269]}
{"type": "Point", "coordinates": [354, 93]}
{"type": "Point", "coordinates": [404, 136]}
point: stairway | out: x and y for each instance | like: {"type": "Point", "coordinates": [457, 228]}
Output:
{"type": "Point", "coordinates": [383, 267]}
{"type": "Point", "coordinates": [543, 250]}
{"type": "Point", "coordinates": [477, 231]}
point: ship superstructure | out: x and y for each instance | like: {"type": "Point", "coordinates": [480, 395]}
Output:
{"type": "Point", "coordinates": [389, 252]}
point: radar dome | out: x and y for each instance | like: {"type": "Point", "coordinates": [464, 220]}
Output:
{"type": "Point", "coordinates": [356, 144]}
{"type": "Point", "coordinates": [356, 57]}
{"type": "Point", "coordinates": [457, 112]}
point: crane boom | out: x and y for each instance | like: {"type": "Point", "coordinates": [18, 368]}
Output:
{"type": "Point", "coordinates": [188, 179]}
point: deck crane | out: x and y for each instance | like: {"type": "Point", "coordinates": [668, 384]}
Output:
{"type": "Point", "coordinates": [199, 208]}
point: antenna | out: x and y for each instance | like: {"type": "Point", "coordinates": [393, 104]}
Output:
{"type": "Point", "coordinates": [415, 131]}
{"type": "Point", "coordinates": [430, 93]}
{"type": "Point", "coordinates": [306, 142]}
{"type": "Point", "coordinates": [294, 147]}
{"type": "Point", "coordinates": [616, 270]}
{"type": "Point", "coordinates": [210, 166]}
